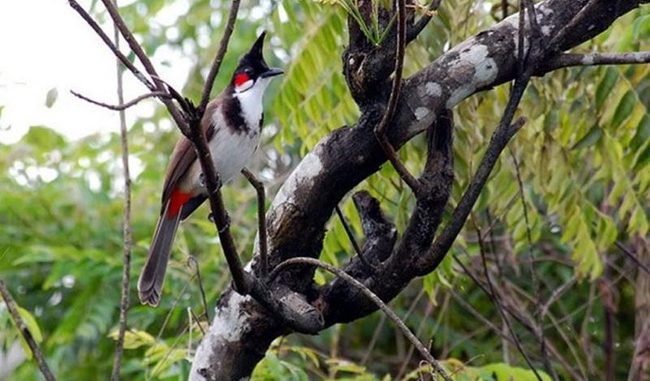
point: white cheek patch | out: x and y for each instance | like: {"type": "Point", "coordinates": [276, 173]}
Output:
{"type": "Point", "coordinates": [244, 86]}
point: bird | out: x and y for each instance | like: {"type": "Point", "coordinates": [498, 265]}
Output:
{"type": "Point", "coordinates": [232, 124]}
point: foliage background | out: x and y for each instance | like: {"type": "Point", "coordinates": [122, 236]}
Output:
{"type": "Point", "coordinates": [582, 158]}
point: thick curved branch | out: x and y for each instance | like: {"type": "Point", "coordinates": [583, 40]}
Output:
{"type": "Point", "coordinates": [306, 201]}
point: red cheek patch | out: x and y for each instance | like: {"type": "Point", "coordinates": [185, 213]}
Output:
{"type": "Point", "coordinates": [241, 78]}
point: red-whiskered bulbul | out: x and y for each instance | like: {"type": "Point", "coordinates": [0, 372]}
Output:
{"type": "Point", "coordinates": [232, 124]}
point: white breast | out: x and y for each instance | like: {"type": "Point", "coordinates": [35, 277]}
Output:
{"type": "Point", "coordinates": [251, 102]}
{"type": "Point", "coordinates": [231, 151]}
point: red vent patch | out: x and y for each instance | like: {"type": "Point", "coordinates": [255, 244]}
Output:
{"type": "Point", "coordinates": [177, 200]}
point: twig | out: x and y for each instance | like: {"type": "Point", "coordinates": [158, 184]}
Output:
{"type": "Point", "coordinates": [556, 295]}
{"type": "Point", "coordinates": [418, 331]}
{"type": "Point", "coordinates": [525, 323]}
{"type": "Point", "coordinates": [122, 106]}
{"type": "Point", "coordinates": [350, 234]}
{"type": "Point", "coordinates": [221, 52]}
{"type": "Point", "coordinates": [261, 219]}
{"type": "Point", "coordinates": [373, 297]}
{"type": "Point", "coordinates": [497, 303]}
{"type": "Point", "coordinates": [554, 44]}
{"type": "Point", "coordinates": [416, 29]}
{"type": "Point", "coordinates": [633, 257]}
{"type": "Point", "coordinates": [171, 309]}
{"type": "Point", "coordinates": [594, 59]}
{"type": "Point", "coordinates": [25, 333]}
{"type": "Point", "coordinates": [468, 307]}
{"type": "Point", "coordinates": [142, 56]}
{"type": "Point", "coordinates": [535, 281]}
{"type": "Point", "coordinates": [500, 138]}
{"type": "Point", "coordinates": [373, 340]}
{"type": "Point", "coordinates": [608, 322]}
{"type": "Point", "coordinates": [192, 261]}
{"type": "Point", "coordinates": [198, 322]}
{"type": "Point", "coordinates": [126, 224]}
{"type": "Point", "coordinates": [380, 130]}
{"type": "Point", "coordinates": [137, 73]}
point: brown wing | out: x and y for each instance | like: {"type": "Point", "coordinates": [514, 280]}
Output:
{"type": "Point", "coordinates": [184, 154]}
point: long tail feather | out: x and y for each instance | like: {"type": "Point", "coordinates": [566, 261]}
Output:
{"type": "Point", "coordinates": [153, 273]}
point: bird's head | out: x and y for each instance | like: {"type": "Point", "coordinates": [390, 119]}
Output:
{"type": "Point", "coordinates": [252, 71]}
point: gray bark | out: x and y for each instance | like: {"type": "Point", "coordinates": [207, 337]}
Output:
{"type": "Point", "coordinates": [242, 330]}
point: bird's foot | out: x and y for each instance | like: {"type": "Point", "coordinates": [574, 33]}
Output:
{"type": "Point", "coordinates": [203, 183]}
{"type": "Point", "coordinates": [225, 226]}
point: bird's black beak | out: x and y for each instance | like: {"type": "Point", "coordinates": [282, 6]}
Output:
{"type": "Point", "coordinates": [272, 72]}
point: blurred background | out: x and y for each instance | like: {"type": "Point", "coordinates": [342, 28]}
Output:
{"type": "Point", "coordinates": [566, 238]}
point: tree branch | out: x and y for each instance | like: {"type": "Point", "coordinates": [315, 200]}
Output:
{"type": "Point", "coordinates": [141, 77]}
{"type": "Point", "coordinates": [126, 224]}
{"type": "Point", "coordinates": [497, 304]}
{"type": "Point", "coordinates": [142, 56]}
{"type": "Point", "coordinates": [380, 130]}
{"type": "Point", "coordinates": [221, 52]}
{"type": "Point", "coordinates": [122, 106]}
{"type": "Point", "coordinates": [221, 220]}
{"type": "Point", "coordinates": [419, 26]}
{"type": "Point", "coordinates": [594, 59]}
{"type": "Point", "coordinates": [25, 332]}
{"type": "Point", "coordinates": [374, 298]}
{"type": "Point", "coordinates": [498, 142]}
{"type": "Point", "coordinates": [261, 219]}
{"type": "Point", "coordinates": [353, 241]}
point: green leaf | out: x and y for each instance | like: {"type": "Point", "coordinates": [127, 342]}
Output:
{"type": "Point", "coordinates": [641, 26]}
{"type": "Point", "coordinates": [642, 134]}
{"type": "Point", "coordinates": [605, 87]}
{"type": "Point", "coordinates": [134, 338]}
{"type": "Point", "coordinates": [31, 324]}
{"type": "Point", "coordinates": [643, 158]}
{"type": "Point", "coordinates": [590, 138]}
{"type": "Point", "coordinates": [33, 328]}
{"type": "Point", "coordinates": [624, 108]}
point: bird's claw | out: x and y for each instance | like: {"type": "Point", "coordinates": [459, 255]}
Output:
{"type": "Point", "coordinates": [203, 183]}
{"type": "Point", "coordinates": [224, 227]}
